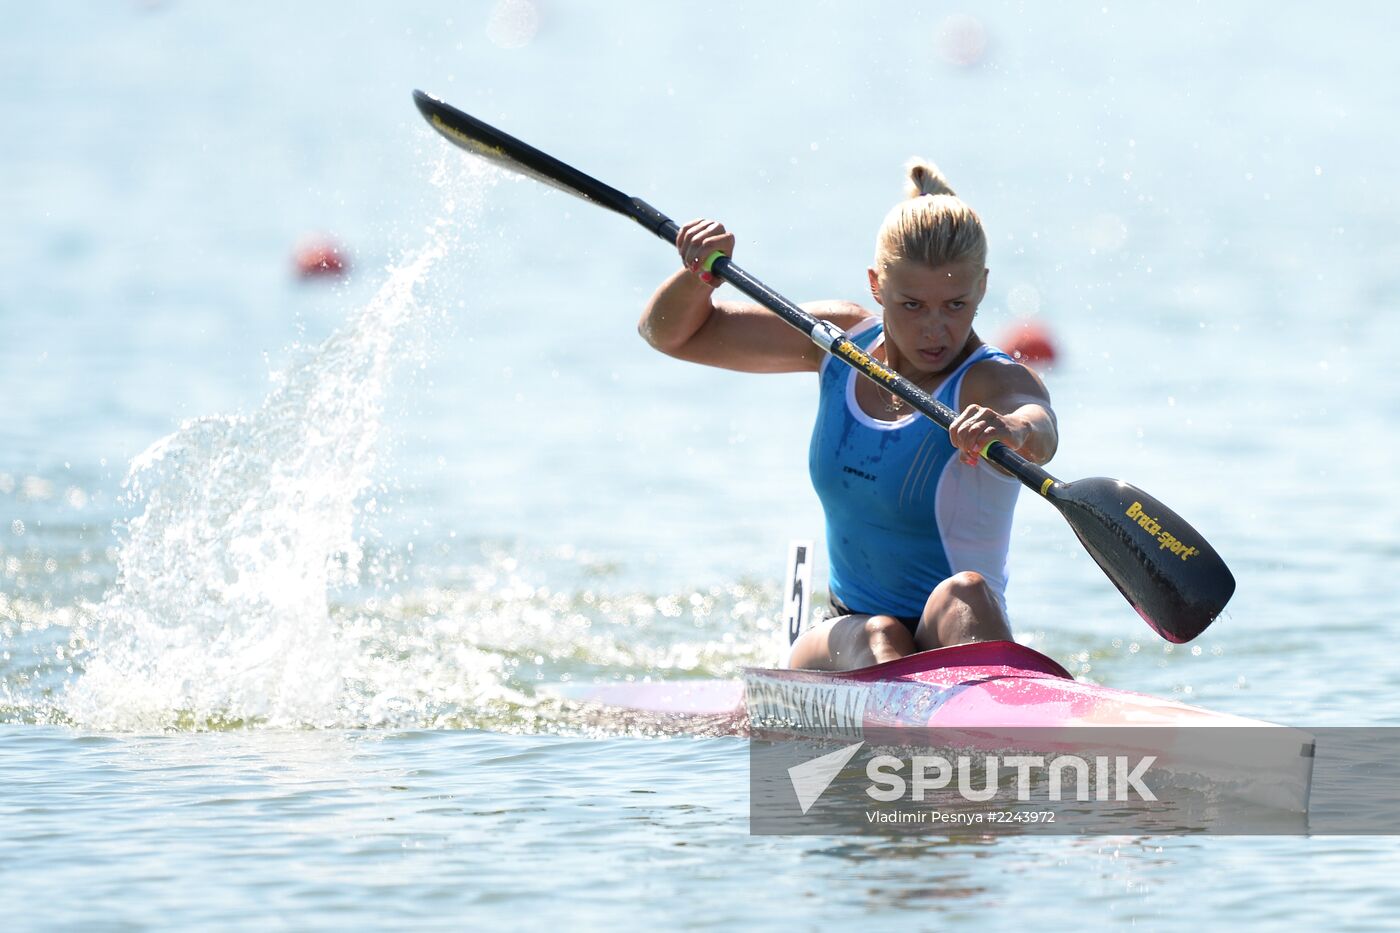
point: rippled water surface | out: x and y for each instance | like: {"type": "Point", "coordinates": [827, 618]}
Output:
{"type": "Point", "coordinates": [284, 564]}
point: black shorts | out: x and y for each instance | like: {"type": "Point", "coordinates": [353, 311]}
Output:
{"type": "Point", "coordinates": [839, 609]}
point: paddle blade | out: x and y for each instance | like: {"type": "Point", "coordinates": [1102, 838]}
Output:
{"type": "Point", "coordinates": [1168, 572]}
{"type": "Point", "coordinates": [513, 155]}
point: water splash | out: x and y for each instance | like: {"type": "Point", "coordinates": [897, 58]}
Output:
{"type": "Point", "coordinates": [250, 590]}
{"type": "Point", "coordinates": [248, 524]}
{"type": "Point", "coordinates": [249, 521]}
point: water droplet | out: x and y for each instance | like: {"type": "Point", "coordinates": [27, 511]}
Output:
{"type": "Point", "coordinates": [513, 24]}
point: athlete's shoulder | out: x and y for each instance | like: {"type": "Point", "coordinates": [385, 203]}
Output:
{"type": "Point", "coordinates": [844, 314]}
{"type": "Point", "coordinates": [998, 376]}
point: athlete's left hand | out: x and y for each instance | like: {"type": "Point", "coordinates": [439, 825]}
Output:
{"type": "Point", "coordinates": [978, 426]}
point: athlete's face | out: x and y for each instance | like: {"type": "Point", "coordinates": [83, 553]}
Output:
{"type": "Point", "coordinates": [929, 311]}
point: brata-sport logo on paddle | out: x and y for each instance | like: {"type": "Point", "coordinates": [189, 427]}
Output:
{"type": "Point", "coordinates": [1167, 540]}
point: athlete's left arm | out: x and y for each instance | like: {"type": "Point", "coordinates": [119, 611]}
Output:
{"type": "Point", "coordinates": [1004, 402]}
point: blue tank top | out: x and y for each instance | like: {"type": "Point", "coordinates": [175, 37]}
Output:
{"type": "Point", "coordinates": [903, 513]}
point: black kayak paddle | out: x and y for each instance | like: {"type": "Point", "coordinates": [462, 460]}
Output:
{"type": "Point", "coordinates": [1166, 570]}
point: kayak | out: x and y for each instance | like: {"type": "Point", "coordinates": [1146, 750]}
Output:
{"type": "Point", "coordinates": [999, 685]}
{"type": "Point", "coordinates": [995, 683]}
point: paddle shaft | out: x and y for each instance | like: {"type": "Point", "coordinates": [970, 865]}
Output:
{"type": "Point", "coordinates": [834, 341]}
{"type": "Point", "coordinates": [518, 156]}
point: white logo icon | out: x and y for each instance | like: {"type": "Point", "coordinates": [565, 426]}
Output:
{"type": "Point", "coordinates": [811, 778]}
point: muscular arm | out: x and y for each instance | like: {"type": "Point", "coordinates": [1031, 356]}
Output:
{"type": "Point", "coordinates": [683, 320]}
{"type": "Point", "coordinates": [1007, 403]}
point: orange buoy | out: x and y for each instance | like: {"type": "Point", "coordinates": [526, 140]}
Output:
{"type": "Point", "coordinates": [319, 257]}
{"type": "Point", "coordinates": [1029, 341]}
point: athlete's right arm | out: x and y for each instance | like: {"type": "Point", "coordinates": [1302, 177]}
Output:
{"type": "Point", "coordinates": [683, 320]}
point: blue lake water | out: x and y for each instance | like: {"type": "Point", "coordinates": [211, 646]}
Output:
{"type": "Point", "coordinates": [284, 563]}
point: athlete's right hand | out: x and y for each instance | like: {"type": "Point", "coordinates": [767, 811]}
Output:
{"type": "Point", "coordinates": [698, 240]}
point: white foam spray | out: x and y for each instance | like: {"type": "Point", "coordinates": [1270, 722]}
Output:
{"type": "Point", "coordinates": [245, 597]}
{"type": "Point", "coordinates": [248, 523]}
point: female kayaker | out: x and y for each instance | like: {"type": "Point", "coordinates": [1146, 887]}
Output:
{"type": "Point", "coordinates": [917, 524]}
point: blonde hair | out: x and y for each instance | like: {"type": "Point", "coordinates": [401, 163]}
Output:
{"type": "Point", "coordinates": [932, 226]}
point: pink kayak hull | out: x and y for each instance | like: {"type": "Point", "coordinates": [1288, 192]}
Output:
{"type": "Point", "coordinates": [985, 692]}
{"type": "Point", "coordinates": [998, 683]}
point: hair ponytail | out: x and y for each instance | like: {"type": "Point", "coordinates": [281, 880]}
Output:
{"type": "Point", "coordinates": [932, 226]}
{"type": "Point", "coordinates": [926, 178]}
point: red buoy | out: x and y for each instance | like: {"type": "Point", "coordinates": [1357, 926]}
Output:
{"type": "Point", "coordinates": [1029, 341]}
{"type": "Point", "coordinates": [319, 257]}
